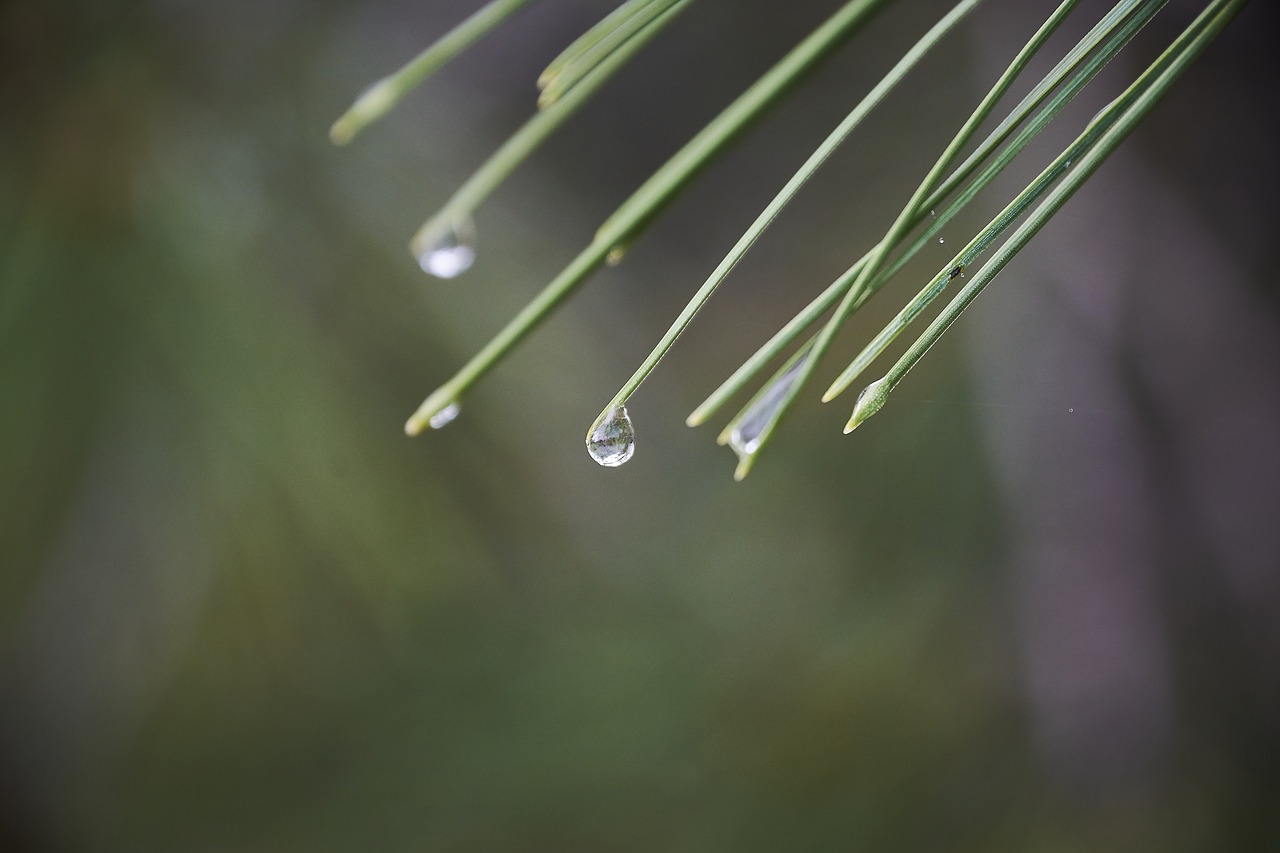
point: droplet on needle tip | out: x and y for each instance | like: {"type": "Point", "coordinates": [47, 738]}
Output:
{"type": "Point", "coordinates": [612, 441]}
{"type": "Point", "coordinates": [447, 253]}
{"type": "Point", "coordinates": [445, 416]}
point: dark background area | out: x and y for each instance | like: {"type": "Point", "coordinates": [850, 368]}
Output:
{"type": "Point", "coordinates": [1031, 606]}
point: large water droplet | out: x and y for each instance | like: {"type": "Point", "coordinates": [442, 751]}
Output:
{"type": "Point", "coordinates": [613, 441]}
{"type": "Point", "coordinates": [451, 253]}
{"type": "Point", "coordinates": [445, 416]}
{"type": "Point", "coordinates": [747, 433]}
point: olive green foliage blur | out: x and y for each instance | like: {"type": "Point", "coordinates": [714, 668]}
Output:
{"type": "Point", "coordinates": [239, 610]}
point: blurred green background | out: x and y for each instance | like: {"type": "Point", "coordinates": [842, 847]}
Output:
{"type": "Point", "coordinates": [1032, 606]}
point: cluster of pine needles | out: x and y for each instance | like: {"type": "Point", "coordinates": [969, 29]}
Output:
{"type": "Point", "coordinates": [444, 244]}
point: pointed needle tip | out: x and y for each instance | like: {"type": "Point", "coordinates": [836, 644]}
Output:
{"type": "Point", "coordinates": [341, 133]}
{"type": "Point", "coordinates": [418, 245]}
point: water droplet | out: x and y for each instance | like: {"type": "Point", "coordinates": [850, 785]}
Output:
{"type": "Point", "coordinates": [942, 239]}
{"type": "Point", "coordinates": [748, 431]}
{"type": "Point", "coordinates": [933, 213]}
{"type": "Point", "coordinates": [613, 441]}
{"type": "Point", "coordinates": [445, 416]}
{"type": "Point", "coordinates": [451, 253]}
{"type": "Point", "coordinates": [1067, 164]}
{"type": "Point", "coordinates": [1070, 410]}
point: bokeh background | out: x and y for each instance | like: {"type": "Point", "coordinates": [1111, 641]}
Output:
{"type": "Point", "coordinates": [1031, 606]}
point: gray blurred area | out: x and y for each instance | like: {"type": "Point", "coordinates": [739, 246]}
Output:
{"type": "Point", "coordinates": [1033, 605]}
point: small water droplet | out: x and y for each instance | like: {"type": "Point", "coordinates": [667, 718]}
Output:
{"type": "Point", "coordinates": [1070, 410]}
{"type": "Point", "coordinates": [1067, 164]}
{"type": "Point", "coordinates": [942, 239]}
{"type": "Point", "coordinates": [613, 442]}
{"type": "Point", "coordinates": [933, 213]}
{"type": "Point", "coordinates": [749, 430]}
{"type": "Point", "coordinates": [451, 253]}
{"type": "Point", "coordinates": [445, 416]}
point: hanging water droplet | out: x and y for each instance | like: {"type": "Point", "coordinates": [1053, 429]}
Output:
{"type": "Point", "coordinates": [445, 416]}
{"type": "Point", "coordinates": [942, 239]}
{"type": "Point", "coordinates": [613, 441]}
{"type": "Point", "coordinates": [749, 430]}
{"type": "Point", "coordinates": [450, 253]}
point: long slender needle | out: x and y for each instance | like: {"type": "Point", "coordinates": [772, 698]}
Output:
{"type": "Point", "coordinates": [1123, 115]}
{"type": "Point", "coordinates": [1109, 29]}
{"type": "Point", "coordinates": [581, 65]}
{"type": "Point", "coordinates": [634, 214]}
{"type": "Point", "coordinates": [379, 98]}
{"type": "Point", "coordinates": [903, 223]}
{"type": "Point", "coordinates": [530, 136]}
{"type": "Point", "coordinates": [583, 43]}
{"type": "Point", "coordinates": [798, 180]}
{"type": "Point", "coordinates": [750, 414]}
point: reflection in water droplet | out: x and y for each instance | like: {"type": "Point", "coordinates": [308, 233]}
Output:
{"type": "Point", "coordinates": [613, 442]}
{"type": "Point", "coordinates": [451, 253]}
{"type": "Point", "coordinates": [747, 432]}
{"type": "Point", "coordinates": [445, 416]}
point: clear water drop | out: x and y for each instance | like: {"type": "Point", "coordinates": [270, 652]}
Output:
{"type": "Point", "coordinates": [748, 432]}
{"type": "Point", "coordinates": [445, 416]}
{"type": "Point", "coordinates": [613, 441]}
{"type": "Point", "coordinates": [451, 253]}
{"type": "Point", "coordinates": [942, 239]}
{"type": "Point", "coordinates": [933, 213]}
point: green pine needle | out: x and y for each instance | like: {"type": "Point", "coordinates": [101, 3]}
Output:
{"type": "Point", "coordinates": [784, 197]}
{"type": "Point", "coordinates": [380, 98]}
{"type": "Point", "coordinates": [629, 220]}
{"type": "Point", "coordinates": [1111, 127]}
